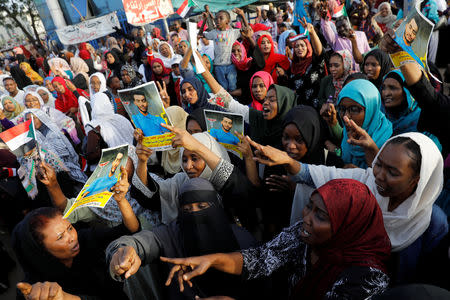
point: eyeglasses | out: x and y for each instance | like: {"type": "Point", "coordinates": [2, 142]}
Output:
{"type": "Point", "coordinates": [351, 110]}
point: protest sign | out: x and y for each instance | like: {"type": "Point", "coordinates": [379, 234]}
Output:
{"type": "Point", "coordinates": [141, 12]}
{"type": "Point", "coordinates": [88, 30]}
{"type": "Point", "coordinates": [413, 36]}
{"type": "Point", "coordinates": [192, 29]}
{"type": "Point", "coordinates": [222, 127]}
{"type": "Point", "coordinates": [96, 192]}
{"type": "Point", "coordinates": [146, 110]}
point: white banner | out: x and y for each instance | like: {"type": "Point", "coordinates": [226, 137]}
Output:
{"type": "Point", "coordinates": [88, 30]}
{"type": "Point", "coordinates": [141, 12]}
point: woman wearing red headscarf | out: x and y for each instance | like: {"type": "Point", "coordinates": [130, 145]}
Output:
{"type": "Point", "coordinates": [275, 63]}
{"type": "Point", "coordinates": [67, 100]}
{"type": "Point", "coordinates": [338, 251]}
{"type": "Point", "coordinates": [163, 76]}
{"type": "Point", "coordinates": [307, 67]}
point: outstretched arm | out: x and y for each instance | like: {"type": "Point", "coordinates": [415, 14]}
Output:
{"type": "Point", "coordinates": [188, 268]}
{"type": "Point", "coordinates": [48, 178]}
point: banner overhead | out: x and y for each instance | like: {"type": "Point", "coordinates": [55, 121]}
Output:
{"type": "Point", "coordinates": [141, 12]}
{"type": "Point", "coordinates": [88, 30]}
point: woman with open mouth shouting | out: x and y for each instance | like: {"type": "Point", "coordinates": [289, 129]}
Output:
{"type": "Point", "coordinates": [406, 178]}
{"type": "Point", "coordinates": [339, 250]}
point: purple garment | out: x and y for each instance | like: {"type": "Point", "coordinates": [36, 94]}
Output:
{"type": "Point", "coordinates": [338, 43]}
{"type": "Point", "coordinates": [7, 124]}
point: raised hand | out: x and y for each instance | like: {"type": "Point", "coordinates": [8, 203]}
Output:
{"type": "Point", "coordinates": [182, 138]}
{"type": "Point", "coordinates": [244, 146]}
{"type": "Point", "coordinates": [2, 114]}
{"type": "Point", "coordinates": [277, 183]}
{"type": "Point", "coordinates": [329, 114]}
{"type": "Point", "coordinates": [47, 174]}
{"type": "Point", "coordinates": [163, 93]}
{"type": "Point", "coordinates": [388, 44]}
{"type": "Point", "coordinates": [120, 189]}
{"type": "Point", "coordinates": [280, 71]}
{"type": "Point", "coordinates": [269, 155]}
{"type": "Point", "coordinates": [182, 266]}
{"type": "Point", "coordinates": [247, 32]}
{"type": "Point", "coordinates": [125, 262]}
{"type": "Point", "coordinates": [305, 24]}
{"type": "Point", "coordinates": [41, 290]}
{"type": "Point", "coordinates": [358, 136]}
{"type": "Point", "coordinates": [238, 11]}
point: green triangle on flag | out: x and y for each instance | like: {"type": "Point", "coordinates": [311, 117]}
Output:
{"type": "Point", "coordinates": [31, 133]}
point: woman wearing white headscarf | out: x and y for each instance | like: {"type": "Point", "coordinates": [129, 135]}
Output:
{"type": "Point", "coordinates": [50, 138]}
{"type": "Point", "coordinates": [80, 73]}
{"type": "Point", "coordinates": [384, 17]}
{"type": "Point", "coordinates": [170, 159]}
{"type": "Point", "coordinates": [60, 67]}
{"type": "Point", "coordinates": [97, 83]}
{"type": "Point", "coordinates": [406, 178]}
{"type": "Point", "coordinates": [115, 129]}
{"type": "Point", "coordinates": [166, 54]}
{"type": "Point", "coordinates": [46, 96]}
{"type": "Point", "coordinates": [63, 122]}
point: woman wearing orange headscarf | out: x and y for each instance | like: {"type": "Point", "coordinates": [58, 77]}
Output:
{"type": "Point", "coordinates": [32, 74]}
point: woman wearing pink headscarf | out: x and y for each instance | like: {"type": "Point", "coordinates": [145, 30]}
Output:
{"type": "Point", "coordinates": [259, 85]}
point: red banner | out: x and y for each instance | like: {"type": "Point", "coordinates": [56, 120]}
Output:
{"type": "Point", "coordinates": [141, 12]}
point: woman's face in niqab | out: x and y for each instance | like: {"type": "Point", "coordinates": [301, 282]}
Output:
{"type": "Point", "coordinates": [293, 142]}
{"type": "Point", "coordinates": [60, 239]}
{"type": "Point", "coordinates": [192, 164]}
{"type": "Point", "coordinates": [194, 207]}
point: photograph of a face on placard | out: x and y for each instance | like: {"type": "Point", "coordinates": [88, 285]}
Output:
{"type": "Point", "coordinates": [222, 126]}
{"type": "Point", "coordinates": [413, 36]}
{"type": "Point", "coordinates": [146, 110]}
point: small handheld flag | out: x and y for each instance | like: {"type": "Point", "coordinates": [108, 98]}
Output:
{"type": "Point", "coordinates": [21, 138]}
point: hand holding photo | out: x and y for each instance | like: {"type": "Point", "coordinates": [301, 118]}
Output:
{"type": "Point", "coordinates": [222, 126]}
{"type": "Point", "coordinates": [146, 110]}
{"type": "Point", "coordinates": [96, 192]}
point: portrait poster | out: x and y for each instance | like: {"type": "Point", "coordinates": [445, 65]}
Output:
{"type": "Point", "coordinates": [413, 36]}
{"type": "Point", "coordinates": [96, 192]}
{"type": "Point", "coordinates": [146, 110]}
{"type": "Point", "coordinates": [222, 126]}
{"type": "Point", "coordinates": [142, 12]}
